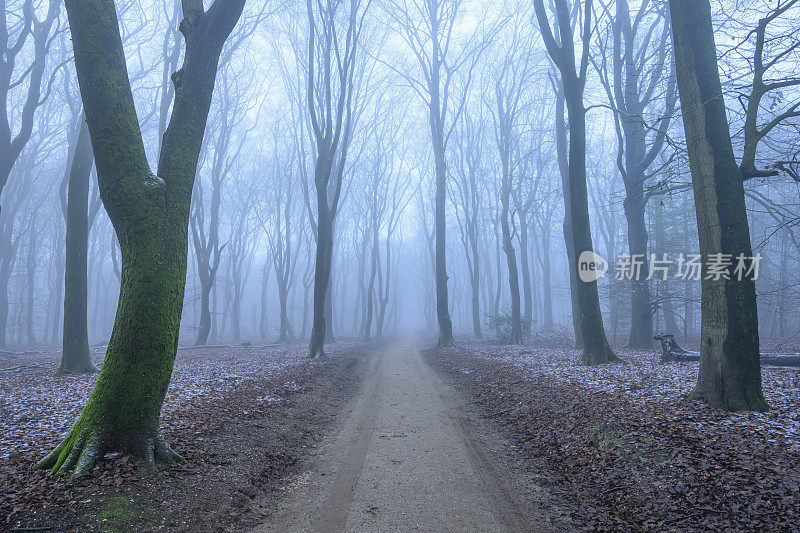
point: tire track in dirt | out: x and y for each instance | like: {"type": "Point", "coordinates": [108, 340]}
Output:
{"type": "Point", "coordinates": [406, 457]}
{"type": "Point", "coordinates": [333, 514]}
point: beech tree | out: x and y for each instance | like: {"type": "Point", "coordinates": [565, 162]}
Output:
{"type": "Point", "coordinates": [150, 215]}
{"type": "Point", "coordinates": [75, 344]}
{"type": "Point", "coordinates": [509, 85]}
{"type": "Point", "coordinates": [427, 29]}
{"type": "Point", "coordinates": [468, 149]}
{"type": "Point", "coordinates": [730, 369]}
{"type": "Point", "coordinates": [573, 80]}
{"type": "Point", "coordinates": [332, 61]}
{"type": "Point", "coordinates": [639, 65]}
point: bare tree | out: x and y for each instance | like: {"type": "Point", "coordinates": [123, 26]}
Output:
{"type": "Point", "coordinates": [573, 80]}
{"type": "Point", "coordinates": [332, 61]}
{"type": "Point", "coordinates": [427, 29]}
{"type": "Point", "coordinates": [150, 214]}
{"type": "Point", "coordinates": [640, 61]}
{"type": "Point", "coordinates": [509, 86]}
{"type": "Point", "coordinates": [762, 86]}
{"type": "Point", "coordinates": [43, 33]}
{"type": "Point", "coordinates": [469, 147]}
{"type": "Point", "coordinates": [730, 370]}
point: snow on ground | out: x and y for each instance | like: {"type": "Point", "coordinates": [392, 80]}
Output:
{"type": "Point", "coordinates": [645, 382]}
{"type": "Point", "coordinates": [37, 407]}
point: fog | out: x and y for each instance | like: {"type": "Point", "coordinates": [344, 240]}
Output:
{"type": "Point", "coordinates": [253, 231]}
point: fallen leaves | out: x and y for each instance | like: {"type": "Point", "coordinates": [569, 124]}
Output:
{"type": "Point", "coordinates": [209, 388]}
{"type": "Point", "coordinates": [625, 443]}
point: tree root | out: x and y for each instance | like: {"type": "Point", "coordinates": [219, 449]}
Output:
{"type": "Point", "coordinates": [80, 450]}
{"type": "Point", "coordinates": [316, 354]}
{"type": "Point", "coordinates": [88, 368]}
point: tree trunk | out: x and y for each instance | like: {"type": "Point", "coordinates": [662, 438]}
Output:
{"type": "Point", "coordinates": [511, 257]}
{"type": "Point", "coordinates": [527, 285]}
{"type": "Point", "coordinates": [476, 298]}
{"type": "Point", "coordinates": [30, 271]}
{"type": "Point", "coordinates": [667, 309]}
{"type": "Point", "coordinates": [595, 345]}
{"type": "Point", "coordinates": [322, 271]}
{"type": "Point", "coordinates": [286, 333]}
{"type": "Point", "coordinates": [563, 166]}
{"type": "Point", "coordinates": [547, 287]}
{"type": "Point", "coordinates": [440, 221]}
{"type": "Point", "coordinates": [150, 215]}
{"type": "Point", "coordinates": [204, 327]}
{"type": "Point", "coordinates": [641, 335]}
{"type": "Point", "coordinates": [263, 323]}
{"type": "Point", "coordinates": [730, 371]}
{"type": "Point", "coordinates": [329, 337]}
{"type": "Point", "coordinates": [370, 295]}
{"type": "Point", "coordinates": [75, 344]}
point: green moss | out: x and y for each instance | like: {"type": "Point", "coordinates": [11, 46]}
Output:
{"type": "Point", "coordinates": [125, 513]}
{"type": "Point", "coordinates": [119, 508]}
{"type": "Point", "coordinates": [611, 440]}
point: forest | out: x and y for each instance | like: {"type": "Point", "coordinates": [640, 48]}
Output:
{"type": "Point", "coordinates": [391, 265]}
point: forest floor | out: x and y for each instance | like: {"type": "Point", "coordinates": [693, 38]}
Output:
{"type": "Point", "coordinates": [388, 437]}
{"type": "Point", "coordinates": [411, 455]}
{"type": "Point", "coordinates": [624, 446]}
{"type": "Point", "coordinates": [244, 418]}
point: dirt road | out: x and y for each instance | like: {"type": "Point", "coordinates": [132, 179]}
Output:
{"type": "Point", "coordinates": [406, 458]}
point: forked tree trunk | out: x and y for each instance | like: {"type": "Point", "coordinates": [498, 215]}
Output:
{"type": "Point", "coordinates": [730, 371]}
{"type": "Point", "coordinates": [75, 342]}
{"type": "Point", "coordinates": [150, 215]}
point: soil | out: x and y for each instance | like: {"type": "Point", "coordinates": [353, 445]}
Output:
{"type": "Point", "coordinates": [241, 461]}
{"type": "Point", "coordinates": [389, 437]}
{"type": "Point", "coordinates": [411, 455]}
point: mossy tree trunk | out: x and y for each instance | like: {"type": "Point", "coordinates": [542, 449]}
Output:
{"type": "Point", "coordinates": [150, 215]}
{"type": "Point", "coordinates": [730, 370]}
{"type": "Point", "coordinates": [75, 341]}
{"type": "Point", "coordinates": [573, 81]}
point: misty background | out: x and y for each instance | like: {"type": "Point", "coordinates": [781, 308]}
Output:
{"type": "Point", "coordinates": [252, 233]}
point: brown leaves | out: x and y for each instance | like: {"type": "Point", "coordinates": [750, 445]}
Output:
{"type": "Point", "coordinates": [211, 387]}
{"type": "Point", "coordinates": [630, 450]}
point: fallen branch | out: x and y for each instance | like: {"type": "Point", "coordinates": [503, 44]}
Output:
{"type": "Point", "coordinates": [20, 367]}
{"type": "Point", "coordinates": [671, 351]}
